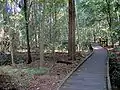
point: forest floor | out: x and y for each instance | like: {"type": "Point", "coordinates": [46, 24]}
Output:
{"type": "Point", "coordinates": [114, 61]}
{"type": "Point", "coordinates": [34, 77]}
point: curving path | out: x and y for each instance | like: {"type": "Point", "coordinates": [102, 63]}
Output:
{"type": "Point", "coordinates": [91, 75]}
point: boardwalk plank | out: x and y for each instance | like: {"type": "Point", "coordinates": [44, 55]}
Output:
{"type": "Point", "coordinates": [91, 75]}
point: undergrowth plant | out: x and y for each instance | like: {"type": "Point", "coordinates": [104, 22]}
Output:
{"type": "Point", "coordinates": [22, 76]}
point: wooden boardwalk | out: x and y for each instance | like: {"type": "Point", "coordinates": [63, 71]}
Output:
{"type": "Point", "coordinates": [91, 75]}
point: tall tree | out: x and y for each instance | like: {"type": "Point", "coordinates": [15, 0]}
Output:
{"type": "Point", "coordinates": [27, 31]}
{"type": "Point", "coordinates": [71, 25]}
{"type": "Point", "coordinates": [109, 19]}
{"type": "Point", "coordinates": [41, 34]}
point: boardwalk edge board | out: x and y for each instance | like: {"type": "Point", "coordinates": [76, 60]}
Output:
{"type": "Point", "coordinates": [108, 77]}
{"type": "Point", "coordinates": [63, 81]}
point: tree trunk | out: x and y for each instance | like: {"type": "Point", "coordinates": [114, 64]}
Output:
{"type": "Point", "coordinates": [11, 33]}
{"type": "Point", "coordinates": [78, 35]}
{"type": "Point", "coordinates": [50, 25]}
{"type": "Point", "coordinates": [54, 30]}
{"type": "Point", "coordinates": [109, 20]}
{"type": "Point", "coordinates": [36, 29]}
{"type": "Point", "coordinates": [71, 36]}
{"type": "Point", "coordinates": [27, 31]}
{"type": "Point", "coordinates": [41, 36]}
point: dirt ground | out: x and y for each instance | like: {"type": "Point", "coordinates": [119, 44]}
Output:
{"type": "Point", "coordinates": [56, 74]}
{"type": "Point", "coordinates": [58, 68]}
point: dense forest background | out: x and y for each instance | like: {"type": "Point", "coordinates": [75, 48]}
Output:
{"type": "Point", "coordinates": [46, 26]}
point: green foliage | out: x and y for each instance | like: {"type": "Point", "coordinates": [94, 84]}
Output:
{"type": "Point", "coordinates": [33, 71]}
{"type": "Point", "coordinates": [112, 55]}
{"type": "Point", "coordinates": [91, 22]}
{"type": "Point", "coordinates": [18, 71]}
{"type": "Point", "coordinates": [63, 45]}
{"type": "Point", "coordinates": [5, 59]}
{"type": "Point", "coordinates": [114, 67]}
{"type": "Point", "coordinates": [22, 76]}
{"type": "Point", "coordinates": [117, 48]}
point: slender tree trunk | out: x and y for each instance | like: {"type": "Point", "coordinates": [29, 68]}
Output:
{"type": "Point", "coordinates": [109, 20]}
{"type": "Point", "coordinates": [54, 30]}
{"type": "Point", "coordinates": [10, 33]}
{"type": "Point", "coordinates": [36, 30]}
{"type": "Point", "coordinates": [6, 21]}
{"type": "Point", "coordinates": [50, 24]}
{"type": "Point", "coordinates": [95, 32]}
{"type": "Point", "coordinates": [41, 36]}
{"type": "Point", "coordinates": [118, 20]}
{"type": "Point", "coordinates": [71, 36]}
{"type": "Point", "coordinates": [11, 46]}
{"type": "Point", "coordinates": [27, 31]}
{"type": "Point", "coordinates": [78, 32]}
